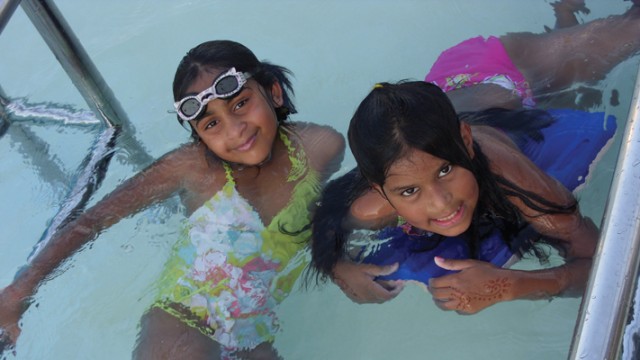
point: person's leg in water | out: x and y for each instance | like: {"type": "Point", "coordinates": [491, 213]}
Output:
{"type": "Point", "coordinates": [552, 62]}
{"type": "Point", "coordinates": [164, 336]}
{"type": "Point", "coordinates": [583, 53]}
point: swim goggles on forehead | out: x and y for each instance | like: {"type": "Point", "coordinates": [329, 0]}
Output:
{"type": "Point", "coordinates": [224, 86]}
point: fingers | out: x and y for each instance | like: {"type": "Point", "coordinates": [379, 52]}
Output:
{"type": "Point", "coordinates": [357, 282]}
{"type": "Point", "coordinates": [453, 264]}
{"type": "Point", "coordinates": [391, 285]}
{"type": "Point", "coordinates": [380, 294]}
{"type": "Point", "coordinates": [6, 342]}
{"type": "Point", "coordinates": [373, 292]}
{"type": "Point", "coordinates": [376, 270]}
{"type": "Point", "coordinates": [452, 300]}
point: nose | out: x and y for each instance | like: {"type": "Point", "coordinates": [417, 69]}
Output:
{"type": "Point", "coordinates": [438, 199]}
{"type": "Point", "coordinates": [236, 127]}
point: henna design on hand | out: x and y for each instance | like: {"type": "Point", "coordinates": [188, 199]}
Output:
{"type": "Point", "coordinates": [493, 290]}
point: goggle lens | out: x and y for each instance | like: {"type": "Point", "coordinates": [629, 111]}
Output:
{"type": "Point", "coordinates": [190, 107]}
{"type": "Point", "coordinates": [226, 85]}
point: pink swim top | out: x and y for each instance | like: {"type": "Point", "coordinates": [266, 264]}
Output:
{"type": "Point", "coordinates": [479, 61]}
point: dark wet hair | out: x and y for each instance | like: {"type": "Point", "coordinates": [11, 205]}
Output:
{"type": "Point", "coordinates": [329, 236]}
{"type": "Point", "coordinates": [224, 54]}
{"type": "Point", "coordinates": [395, 118]}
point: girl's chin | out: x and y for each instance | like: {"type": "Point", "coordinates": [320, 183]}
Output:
{"type": "Point", "coordinates": [449, 231]}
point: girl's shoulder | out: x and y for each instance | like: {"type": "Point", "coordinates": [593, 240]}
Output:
{"type": "Point", "coordinates": [504, 156]}
{"type": "Point", "coordinates": [506, 160]}
{"type": "Point", "coordinates": [313, 133]}
{"type": "Point", "coordinates": [199, 174]}
{"type": "Point", "coordinates": [190, 161]}
{"type": "Point", "coordinates": [323, 144]}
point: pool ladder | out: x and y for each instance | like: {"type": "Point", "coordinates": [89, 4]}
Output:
{"type": "Point", "coordinates": [53, 28]}
{"type": "Point", "coordinates": [609, 316]}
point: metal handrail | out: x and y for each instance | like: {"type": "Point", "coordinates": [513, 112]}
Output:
{"type": "Point", "coordinates": [606, 303]}
{"type": "Point", "coordinates": [53, 28]}
{"type": "Point", "coordinates": [7, 8]}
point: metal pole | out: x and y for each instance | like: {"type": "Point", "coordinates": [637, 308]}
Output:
{"type": "Point", "coordinates": [4, 117]}
{"type": "Point", "coordinates": [606, 303]}
{"type": "Point", "coordinates": [7, 8]}
{"type": "Point", "coordinates": [63, 43]}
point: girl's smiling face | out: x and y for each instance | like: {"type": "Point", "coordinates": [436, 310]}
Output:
{"type": "Point", "coordinates": [431, 193]}
{"type": "Point", "coordinates": [240, 129]}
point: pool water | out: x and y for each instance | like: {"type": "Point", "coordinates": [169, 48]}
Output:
{"type": "Point", "coordinates": [337, 51]}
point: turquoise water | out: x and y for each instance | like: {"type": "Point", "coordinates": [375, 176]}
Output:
{"type": "Point", "coordinates": [337, 50]}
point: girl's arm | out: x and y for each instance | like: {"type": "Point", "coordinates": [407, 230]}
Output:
{"type": "Point", "coordinates": [577, 234]}
{"type": "Point", "coordinates": [348, 203]}
{"type": "Point", "coordinates": [153, 184]}
{"type": "Point", "coordinates": [479, 285]}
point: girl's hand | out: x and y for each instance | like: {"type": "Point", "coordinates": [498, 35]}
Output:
{"type": "Point", "coordinates": [357, 282]}
{"type": "Point", "coordinates": [12, 305]}
{"type": "Point", "coordinates": [476, 286]}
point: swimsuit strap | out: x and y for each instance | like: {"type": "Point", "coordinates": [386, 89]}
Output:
{"type": "Point", "coordinates": [227, 173]}
{"type": "Point", "coordinates": [297, 156]}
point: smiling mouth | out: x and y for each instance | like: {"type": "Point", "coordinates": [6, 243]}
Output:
{"type": "Point", "coordinates": [247, 145]}
{"type": "Point", "coordinates": [450, 219]}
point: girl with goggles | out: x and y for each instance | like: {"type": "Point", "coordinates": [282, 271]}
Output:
{"type": "Point", "coordinates": [248, 182]}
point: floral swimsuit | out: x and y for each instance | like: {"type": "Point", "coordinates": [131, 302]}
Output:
{"type": "Point", "coordinates": [228, 270]}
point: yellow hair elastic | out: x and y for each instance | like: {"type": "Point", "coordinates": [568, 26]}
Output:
{"type": "Point", "coordinates": [377, 86]}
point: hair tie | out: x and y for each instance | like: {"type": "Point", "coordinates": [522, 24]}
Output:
{"type": "Point", "coordinates": [377, 86]}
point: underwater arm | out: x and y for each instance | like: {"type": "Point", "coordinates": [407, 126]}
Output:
{"type": "Point", "coordinates": [573, 234]}
{"type": "Point", "coordinates": [151, 185]}
{"type": "Point", "coordinates": [347, 204]}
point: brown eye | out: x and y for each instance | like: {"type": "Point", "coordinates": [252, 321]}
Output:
{"type": "Point", "coordinates": [445, 170]}
{"type": "Point", "coordinates": [240, 104]}
{"type": "Point", "coordinates": [409, 191]}
{"type": "Point", "coordinates": [211, 124]}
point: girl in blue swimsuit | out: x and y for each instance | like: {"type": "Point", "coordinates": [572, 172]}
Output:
{"type": "Point", "coordinates": [461, 185]}
{"type": "Point", "coordinates": [582, 53]}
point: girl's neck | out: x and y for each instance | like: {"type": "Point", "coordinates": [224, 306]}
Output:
{"type": "Point", "coordinates": [274, 152]}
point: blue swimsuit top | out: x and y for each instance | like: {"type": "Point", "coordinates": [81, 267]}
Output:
{"type": "Point", "coordinates": [570, 147]}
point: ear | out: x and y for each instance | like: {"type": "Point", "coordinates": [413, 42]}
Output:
{"type": "Point", "coordinates": [467, 138]}
{"type": "Point", "coordinates": [276, 94]}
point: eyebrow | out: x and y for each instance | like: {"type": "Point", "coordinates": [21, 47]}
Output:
{"type": "Point", "coordinates": [401, 187]}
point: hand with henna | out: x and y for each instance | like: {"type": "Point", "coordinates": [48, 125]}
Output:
{"type": "Point", "coordinates": [476, 286]}
{"type": "Point", "coordinates": [358, 282]}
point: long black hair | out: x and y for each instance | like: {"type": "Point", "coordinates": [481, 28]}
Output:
{"type": "Point", "coordinates": [329, 236]}
{"type": "Point", "coordinates": [219, 55]}
{"type": "Point", "coordinates": [395, 118]}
